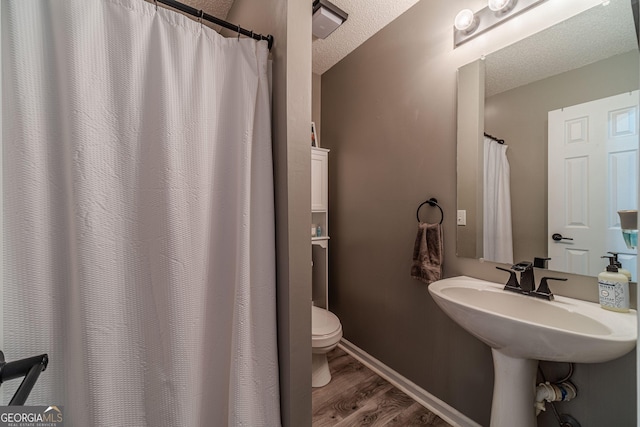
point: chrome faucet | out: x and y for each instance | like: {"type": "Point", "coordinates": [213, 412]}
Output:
{"type": "Point", "coordinates": [527, 285]}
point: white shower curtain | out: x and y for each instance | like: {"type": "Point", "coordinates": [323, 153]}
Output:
{"type": "Point", "coordinates": [497, 231]}
{"type": "Point", "coordinates": [138, 215]}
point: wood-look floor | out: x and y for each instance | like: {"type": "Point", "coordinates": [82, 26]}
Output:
{"type": "Point", "coordinates": [357, 396]}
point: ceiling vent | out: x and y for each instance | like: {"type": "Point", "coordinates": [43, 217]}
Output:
{"type": "Point", "coordinates": [327, 17]}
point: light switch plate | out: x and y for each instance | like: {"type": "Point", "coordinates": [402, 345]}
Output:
{"type": "Point", "coordinates": [462, 217]}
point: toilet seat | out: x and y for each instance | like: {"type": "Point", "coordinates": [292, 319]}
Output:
{"type": "Point", "coordinates": [326, 329]}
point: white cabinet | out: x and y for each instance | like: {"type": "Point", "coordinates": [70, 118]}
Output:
{"type": "Point", "coordinates": [319, 179]}
{"type": "Point", "coordinates": [319, 217]}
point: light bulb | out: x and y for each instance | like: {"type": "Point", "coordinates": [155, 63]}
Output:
{"type": "Point", "coordinates": [500, 5]}
{"type": "Point", "coordinates": [465, 20]}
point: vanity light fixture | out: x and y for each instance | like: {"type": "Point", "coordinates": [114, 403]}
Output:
{"type": "Point", "coordinates": [327, 17]}
{"type": "Point", "coordinates": [500, 5]}
{"type": "Point", "coordinates": [465, 21]}
{"type": "Point", "coordinates": [496, 12]}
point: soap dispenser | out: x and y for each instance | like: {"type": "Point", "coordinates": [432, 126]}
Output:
{"type": "Point", "coordinates": [613, 288]}
{"type": "Point", "coordinates": [619, 265]}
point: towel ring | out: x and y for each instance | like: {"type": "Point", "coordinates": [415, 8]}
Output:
{"type": "Point", "coordinates": [431, 202]}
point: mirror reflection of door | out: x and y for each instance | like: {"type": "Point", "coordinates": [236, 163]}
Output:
{"type": "Point", "coordinates": [600, 135]}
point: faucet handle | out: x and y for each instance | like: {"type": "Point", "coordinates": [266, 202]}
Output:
{"type": "Point", "coordinates": [540, 262]}
{"type": "Point", "coordinates": [543, 290]}
{"type": "Point", "coordinates": [512, 283]}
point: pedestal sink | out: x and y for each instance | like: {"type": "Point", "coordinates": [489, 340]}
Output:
{"type": "Point", "coordinates": [521, 330]}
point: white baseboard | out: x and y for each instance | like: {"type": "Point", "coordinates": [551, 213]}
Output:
{"type": "Point", "coordinates": [426, 399]}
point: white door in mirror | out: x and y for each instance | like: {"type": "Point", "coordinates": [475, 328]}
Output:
{"type": "Point", "coordinates": [601, 136]}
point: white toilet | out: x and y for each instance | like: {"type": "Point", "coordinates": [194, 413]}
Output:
{"type": "Point", "coordinates": [326, 332]}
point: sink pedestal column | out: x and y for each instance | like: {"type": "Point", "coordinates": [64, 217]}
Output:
{"type": "Point", "coordinates": [514, 391]}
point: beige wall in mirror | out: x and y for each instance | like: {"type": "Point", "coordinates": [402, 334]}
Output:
{"type": "Point", "coordinates": [471, 113]}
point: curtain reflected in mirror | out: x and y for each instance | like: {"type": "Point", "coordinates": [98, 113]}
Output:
{"type": "Point", "coordinates": [498, 239]}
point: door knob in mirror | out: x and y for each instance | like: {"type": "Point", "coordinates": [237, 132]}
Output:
{"type": "Point", "coordinates": [557, 237]}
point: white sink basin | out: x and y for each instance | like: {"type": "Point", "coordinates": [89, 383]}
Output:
{"type": "Point", "coordinates": [563, 330]}
{"type": "Point", "coordinates": [522, 329]}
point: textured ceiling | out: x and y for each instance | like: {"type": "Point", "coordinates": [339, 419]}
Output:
{"type": "Point", "coordinates": [366, 17]}
{"type": "Point", "coordinates": [598, 33]}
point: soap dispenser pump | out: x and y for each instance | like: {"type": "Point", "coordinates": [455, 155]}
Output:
{"type": "Point", "coordinates": [613, 288]}
{"type": "Point", "coordinates": [619, 265]}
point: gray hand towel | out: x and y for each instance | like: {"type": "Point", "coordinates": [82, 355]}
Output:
{"type": "Point", "coordinates": [428, 253]}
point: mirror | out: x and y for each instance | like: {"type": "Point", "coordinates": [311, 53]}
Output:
{"type": "Point", "coordinates": [509, 94]}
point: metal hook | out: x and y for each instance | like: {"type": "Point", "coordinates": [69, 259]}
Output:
{"type": "Point", "coordinates": [251, 33]}
{"type": "Point", "coordinates": [200, 14]}
{"type": "Point", "coordinates": [156, 3]}
{"type": "Point", "coordinates": [238, 32]}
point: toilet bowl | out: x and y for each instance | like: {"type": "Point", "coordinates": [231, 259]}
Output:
{"type": "Point", "coordinates": [325, 336]}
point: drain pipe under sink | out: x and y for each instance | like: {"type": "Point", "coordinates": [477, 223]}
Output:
{"type": "Point", "coordinates": [559, 392]}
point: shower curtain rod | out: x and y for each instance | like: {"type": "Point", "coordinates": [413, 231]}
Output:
{"type": "Point", "coordinates": [499, 141]}
{"type": "Point", "coordinates": [201, 15]}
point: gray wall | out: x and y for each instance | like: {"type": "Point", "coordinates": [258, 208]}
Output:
{"type": "Point", "coordinates": [520, 117]}
{"type": "Point", "coordinates": [389, 118]}
{"type": "Point", "coordinates": [289, 21]}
